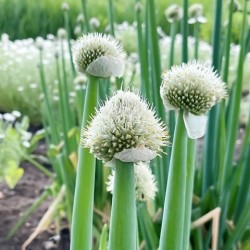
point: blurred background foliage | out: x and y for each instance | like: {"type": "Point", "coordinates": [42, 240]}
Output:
{"type": "Point", "coordinates": [27, 18]}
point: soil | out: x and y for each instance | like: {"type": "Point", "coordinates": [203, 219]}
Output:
{"type": "Point", "coordinates": [13, 203]}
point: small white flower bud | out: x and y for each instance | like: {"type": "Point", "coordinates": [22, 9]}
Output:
{"type": "Point", "coordinates": [94, 22]}
{"type": "Point", "coordinates": [145, 183]}
{"type": "Point", "coordinates": [62, 34]}
{"type": "Point", "coordinates": [173, 13]}
{"type": "Point", "coordinates": [80, 18]}
{"type": "Point", "coordinates": [65, 6]}
{"type": "Point", "coordinates": [196, 14]}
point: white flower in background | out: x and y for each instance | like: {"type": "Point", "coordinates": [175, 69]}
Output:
{"type": "Point", "coordinates": [62, 34]}
{"type": "Point", "coordinates": [39, 42]}
{"type": "Point", "coordinates": [5, 38]}
{"type": "Point", "coordinates": [195, 88]}
{"type": "Point", "coordinates": [80, 18]}
{"type": "Point", "coordinates": [236, 5]}
{"type": "Point", "coordinates": [8, 117]}
{"type": "Point", "coordinates": [78, 30]}
{"type": "Point", "coordinates": [145, 183]}
{"type": "Point", "coordinates": [173, 13]}
{"type": "Point", "coordinates": [94, 22]}
{"type": "Point", "coordinates": [98, 55]}
{"type": "Point", "coordinates": [125, 128]}
{"type": "Point", "coordinates": [65, 6]}
{"type": "Point", "coordinates": [196, 14]}
{"type": "Point", "coordinates": [80, 80]}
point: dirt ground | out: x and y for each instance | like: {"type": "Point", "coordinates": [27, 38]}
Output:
{"type": "Point", "coordinates": [15, 202]}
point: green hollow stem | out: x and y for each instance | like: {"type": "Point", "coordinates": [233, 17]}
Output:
{"type": "Point", "coordinates": [145, 84]}
{"type": "Point", "coordinates": [240, 228]}
{"type": "Point", "coordinates": [191, 157]}
{"type": "Point", "coordinates": [81, 230]}
{"type": "Point", "coordinates": [196, 36]}
{"type": "Point", "coordinates": [67, 27]}
{"type": "Point", "coordinates": [184, 29]}
{"type": "Point", "coordinates": [49, 114]}
{"type": "Point", "coordinates": [173, 214]}
{"type": "Point", "coordinates": [68, 113]}
{"type": "Point", "coordinates": [210, 139]}
{"type": "Point", "coordinates": [62, 107]}
{"type": "Point", "coordinates": [123, 214]}
{"type": "Point", "coordinates": [111, 18]}
{"type": "Point", "coordinates": [85, 15]}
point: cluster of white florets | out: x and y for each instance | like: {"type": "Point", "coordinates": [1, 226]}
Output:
{"type": "Point", "coordinates": [125, 128]}
{"type": "Point", "coordinates": [145, 183]}
{"type": "Point", "coordinates": [98, 55]}
{"type": "Point", "coordinates": [192, 87]}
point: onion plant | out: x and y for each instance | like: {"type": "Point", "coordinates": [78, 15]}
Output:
{"type": "Point", "coordinates": [198, 100]}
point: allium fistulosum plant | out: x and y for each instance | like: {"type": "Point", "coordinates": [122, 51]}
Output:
{"type": "Point", "coordinates": [125, 131]}
{"type": "Point", "coordinates": [99, 56]}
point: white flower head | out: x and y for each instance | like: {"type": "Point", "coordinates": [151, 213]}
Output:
{"type": "Point", "coordinates": [236, 5]}
{"type": "Point", "coordinates": [61, 33]}
{"type": "Point", "coordinates": [145, 183]}
{"type": "Point", "coordinates": [80, 80]}
{"type": "Point", "coordinates": [125, 128]}
{"type": "Point", "coordinates": [196, 14]}
{"type": "Point", "coordinates": [173, 13]}
{"type": "Point", "coordinates": [80, 18]}
{"type": "Point", "coordinates": [78, 30]}
{"type": "Point", "coordinates": [65, 6]}
{"type": "Point", "coordinates": [195, 88]}
{"type": "Point", "coordinates": [94, 22]}
{"type": "Point", "coordinates": [98, 55]}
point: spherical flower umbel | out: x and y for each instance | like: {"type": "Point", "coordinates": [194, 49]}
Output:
{"type": "Point", "coordinates": [98, 55]}
{"type": "Point", "coordinates": [196, 14]}
{"type": "Point", "coordinates": [145, 182]}
{"type": "Point", "coordinates": [173, 13]}
{"type": "Point", "coordinates": [195, 88]}
{"type": "Point", "coordinates": [125, 128]}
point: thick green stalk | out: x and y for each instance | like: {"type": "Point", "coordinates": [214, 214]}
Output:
{"type": "Point", "coordinates": [153, 47]}
{"type": "Point", "coordinates": [239, 229]}
{"type": "Point", "coordinates": [81, 230]}
{"type": "Point", "coordinates": [222, 126]}
{"type": "Point", "coordinates": [154, 68]}
{"type": "Point", "coordinates": [173, 31]}
{"type": "Point", "coordinates": [111, 18]}
{"type": "Point", "coordinates": [123, 224]}
{"type": "Point", "coordinates": [62, 108]}
{"type": "Point", "coordinates": [184, 28]}
{"type": "Point", "coordinates": [233, 119]}
{"type": "Point", "coordinates": [191, 158]}
{"type": "Point", "coordinates": [210, 139]}
{"type": "Point", "coordinates": [228, 42]}
{"type": "Point", "coordinates": [148, 231]}
{"type": "Point", "coordinates": [68, 113]}
{"type": "Point", "coordinates": [67, 27]}
{"type": "Point", "coordinates": [49, 114]}
{"type": "Point", "coordinates": [85, 14]}
{"type": "Point", "coordinates": [145, 84]}
{"type": "Point", "coordinates": [196, 37]}
{"type": "Point", "coordinates": [103, 239]}
{"type": "Point", "coordinates": [244, 189]}
{"type": "Point", "coordinates": [173, 214]}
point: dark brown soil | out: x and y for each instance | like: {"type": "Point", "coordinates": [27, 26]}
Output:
{"type": "Point", "coordinates": [13, 203]}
